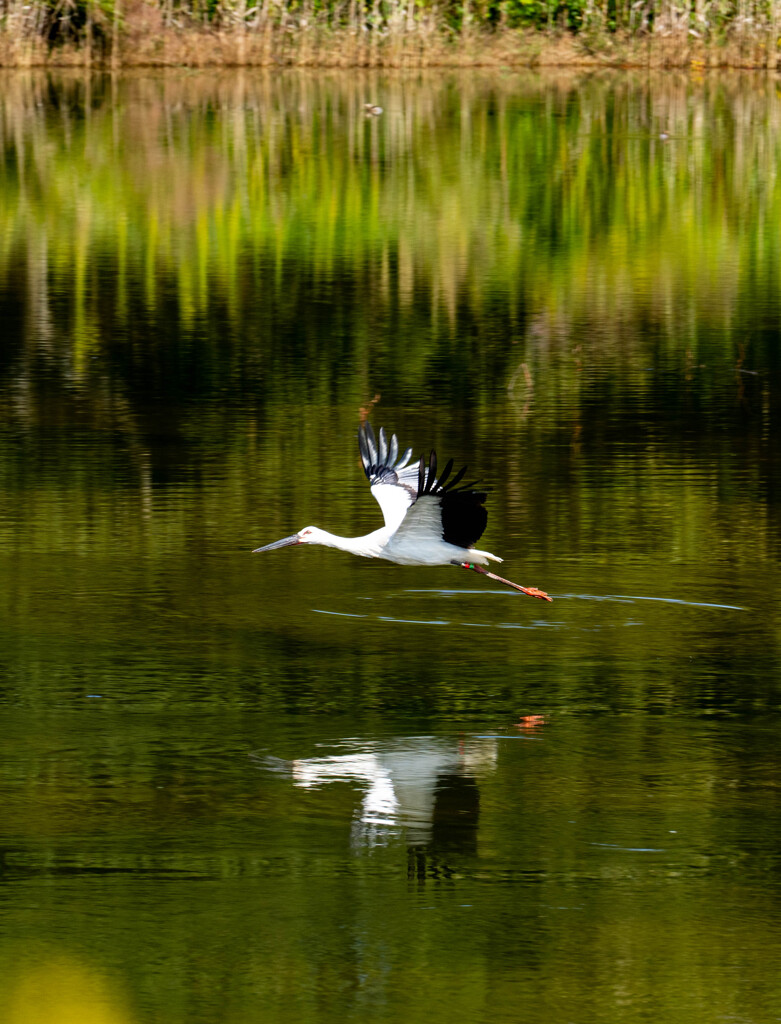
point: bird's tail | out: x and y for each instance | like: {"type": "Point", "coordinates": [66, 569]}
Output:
{"type": "Point", "coordinates": [484, 556]}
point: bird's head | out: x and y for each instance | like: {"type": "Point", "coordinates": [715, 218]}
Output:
{"type": "Point", "coordinates": [309, 535]}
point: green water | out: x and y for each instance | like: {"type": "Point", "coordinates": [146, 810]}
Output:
{"type": "Point", "coordinates": [308, 787]}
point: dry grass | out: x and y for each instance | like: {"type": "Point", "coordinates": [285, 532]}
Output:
{"type": "Point", "coordinates": [145, 34]}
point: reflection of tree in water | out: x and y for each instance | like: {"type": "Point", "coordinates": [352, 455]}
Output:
{"type": "Point", "coordinates": [188, 183]}
{"type": "Point", "coordinates": [182, 206]}
{"type": "Point", "coordinates": [55, 398]}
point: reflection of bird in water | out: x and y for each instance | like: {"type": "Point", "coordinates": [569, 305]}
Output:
{"type": "Point", "coordinates": [372, 110]}
{"type": "Point", "coordinates": [429, 520]}
{"type": "Point", "coordinates": [425, 786]}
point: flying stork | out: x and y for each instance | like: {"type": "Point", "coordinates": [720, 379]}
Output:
{"type": "Point", "coordinates": [429, 520]}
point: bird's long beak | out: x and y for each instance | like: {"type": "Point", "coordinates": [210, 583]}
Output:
{"type": "Point", "coordinates": [284, 543]}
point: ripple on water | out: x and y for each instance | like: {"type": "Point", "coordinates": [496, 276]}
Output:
{"type": "Point", "coordinates": [535, 624]}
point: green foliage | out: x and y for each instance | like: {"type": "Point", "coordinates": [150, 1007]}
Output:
{"type": "Point", "coordinates": [62, 21]}
{"type": "Point", "coordinates": [539, 14]}
{"type": "Point", "coordinates": [59, 21]}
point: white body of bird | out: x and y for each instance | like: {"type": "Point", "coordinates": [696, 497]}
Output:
{"type": "Point", "coordinates": [409, 547]}
{"type": "Point", "coordinates": [429, 520]}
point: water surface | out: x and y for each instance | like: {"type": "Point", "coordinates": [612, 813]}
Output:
{"type": "Point", "coordinates": [303, 786]}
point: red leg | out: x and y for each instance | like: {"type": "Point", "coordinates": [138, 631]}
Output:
{"type": "Point", "coordinates": [531, 591]}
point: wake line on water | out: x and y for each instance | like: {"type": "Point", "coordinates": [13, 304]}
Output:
{"type": "Point", "coordinates": [618, 598]}
{"type": "Point", "coordinates": [383, 618]}
{"type": "Point", "coordinates": [534, 625]}
{"type": "Point", "coordinates": [440, 622]}
{"type": "Point", "coordinates": [628, 599]}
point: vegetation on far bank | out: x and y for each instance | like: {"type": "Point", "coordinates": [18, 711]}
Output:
{"type": "Point", "coordinates": [390, 33]}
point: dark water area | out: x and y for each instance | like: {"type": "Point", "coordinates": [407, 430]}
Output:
{"type": "Point", "coordinates": [303, 786]}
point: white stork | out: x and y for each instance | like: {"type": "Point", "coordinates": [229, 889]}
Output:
{"type": "Point", "coordinates": [429, 520]}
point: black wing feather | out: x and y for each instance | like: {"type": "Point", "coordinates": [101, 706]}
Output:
{"type": "Point", "coordinates": [464, 517]}
{"type": "Point", "coordinates": [445, 473]}
{"type": "Point", "coordinates": [458, 477]}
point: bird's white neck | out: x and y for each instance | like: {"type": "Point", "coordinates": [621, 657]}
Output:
{"type": "Point", "coordinates": [370, 545]}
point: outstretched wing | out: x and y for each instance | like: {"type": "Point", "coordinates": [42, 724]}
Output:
{"type": "Point", "coordinates": [443, 509]}
{"type": "Point", "coordinates": [393, 483]}
{"type": "Point", "coordinates": [413, 500]}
